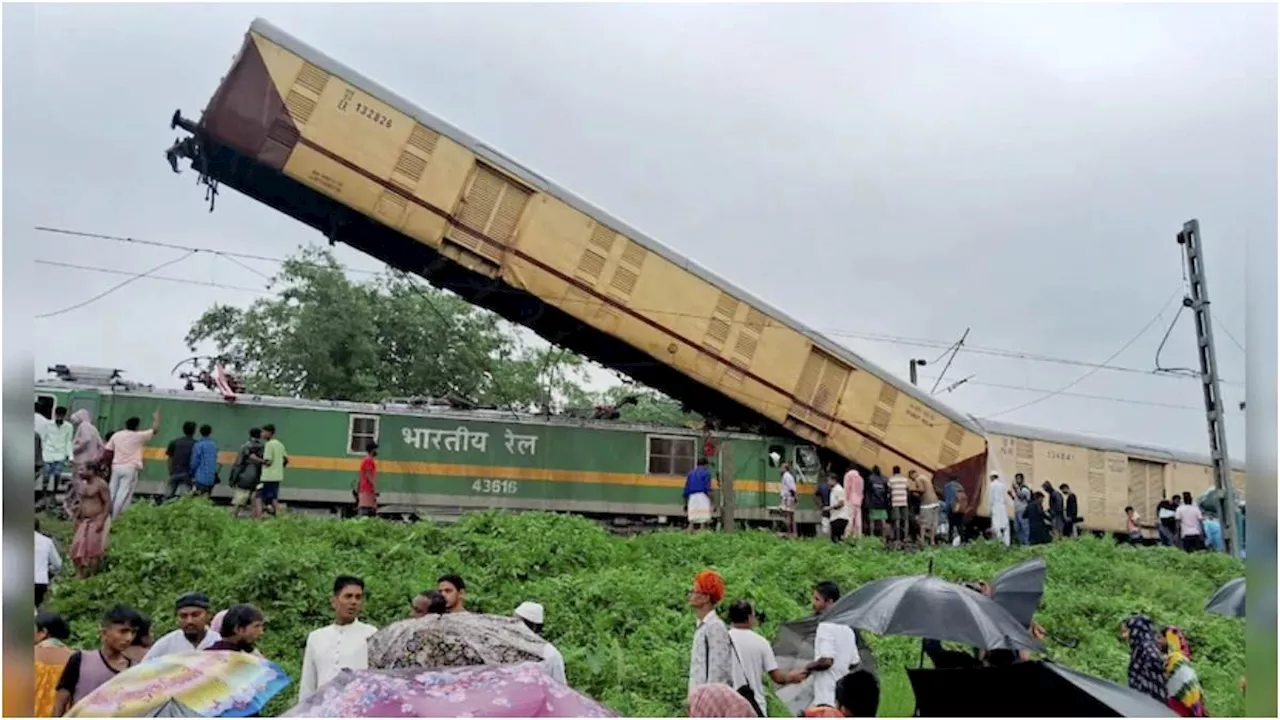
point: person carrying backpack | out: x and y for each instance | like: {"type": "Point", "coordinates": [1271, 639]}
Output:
{"type": "Point", "coordinates": [246, 472]}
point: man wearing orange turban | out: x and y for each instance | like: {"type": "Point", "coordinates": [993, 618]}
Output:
{"type": "Point", "coordinates": [711, 660]}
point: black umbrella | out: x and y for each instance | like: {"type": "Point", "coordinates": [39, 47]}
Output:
{"type": "Point", "coordinates": [927, 606]}
{"type": "Point", "coordinates": [1018, 589]}
{"type": "Point", "coordinates": [1228, 600]}
{"type": "Point", "coordinates": [172, 708]}
{"type": "Point", "coordinates": [1030, 689]}
{"type": "Point", "coordinates": [793, 648]}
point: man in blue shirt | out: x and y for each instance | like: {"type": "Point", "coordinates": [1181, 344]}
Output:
{"type": "Point", "coordinates": [697, 495]}
{"type": "Point", "coordinates": [204, 462]}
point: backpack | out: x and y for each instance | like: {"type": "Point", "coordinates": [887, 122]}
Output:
{"type": "Point", "coordinates": [961, 503]}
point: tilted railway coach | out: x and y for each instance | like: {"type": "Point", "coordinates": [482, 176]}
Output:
{"type": "Point", "coordinates": [439, 462]}
{"type": "Point", "coordinates": [307, 135]}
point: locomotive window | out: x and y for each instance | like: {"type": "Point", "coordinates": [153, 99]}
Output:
{"type": "Point", "coordinates": [671, 455]}
{"type": "Point", "coordinates": [362, 430]}
{"type": "Point", "coordinates": [88, 404]}
{"type": "Point", "coordinates": [45, 405]}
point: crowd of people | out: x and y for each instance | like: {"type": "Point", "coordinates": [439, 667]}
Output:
{"type": "Point", "coordinates": [64, 676]}
{"type": "Point", "coordinates": [909, 510]}
{"type": "Point", "coordinates": [727, 666]}
{"type": "Point", "coordinates": [104, 473]}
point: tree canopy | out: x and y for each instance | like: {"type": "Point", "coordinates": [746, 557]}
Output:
{"type": "Point", "coordinates": [322, 335]}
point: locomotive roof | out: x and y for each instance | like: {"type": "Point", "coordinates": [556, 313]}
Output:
{"type": "Point", "coordinates": [1096, 443]}
{"type": "Point", "coordinates": [541, 183]}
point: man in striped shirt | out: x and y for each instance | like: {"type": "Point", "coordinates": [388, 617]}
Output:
{"type": "Point", "coordinates": [898, 505]}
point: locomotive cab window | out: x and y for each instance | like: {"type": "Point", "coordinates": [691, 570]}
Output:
{"type": "Point", "coordinates": [361, 430]}
{"type": "Point", "coordinates": [45, 405]}
{"type": "Point", "coordinates": [671, 455]}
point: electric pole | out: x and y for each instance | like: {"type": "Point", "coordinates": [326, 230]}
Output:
{"type": "Point", "coordinates": [915, 364]}
{"type": "Point", "coordinates": [1215, 411]}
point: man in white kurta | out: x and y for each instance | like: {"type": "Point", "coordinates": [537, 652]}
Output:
{"type": "Point", "coordinates": [999, 512]}
{"type": "Point", "coordinates": [341, 645]}
{"type": "Point", "coordinates": [552, 661]}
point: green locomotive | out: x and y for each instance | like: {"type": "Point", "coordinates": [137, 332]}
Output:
{"type": "Point", "coordinates": [439, 461]}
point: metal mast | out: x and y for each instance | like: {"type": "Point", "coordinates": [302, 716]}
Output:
{"type": "Point", "coordinates": [1215, 409]}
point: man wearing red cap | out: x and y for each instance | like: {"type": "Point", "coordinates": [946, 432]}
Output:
{"type": "Point", "coordinates": [711, 661]}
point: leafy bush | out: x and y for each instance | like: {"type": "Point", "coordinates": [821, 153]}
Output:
{"type": "Point", "coordinates": [616, 607]}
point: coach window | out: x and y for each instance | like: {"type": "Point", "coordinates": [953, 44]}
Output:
{"type": "Point", "coordinates": [670, 455]}
{"type": "Point", "coordinates": [362, 430]}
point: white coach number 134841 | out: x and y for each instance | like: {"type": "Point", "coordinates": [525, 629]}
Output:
{"type": "Point", "coordinates": [487, 486]}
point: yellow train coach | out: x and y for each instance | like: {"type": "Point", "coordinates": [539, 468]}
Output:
{"type": "Point", "coordinates": [1105, 475]}
{"type": "Point", "coordinates": [318, 141]}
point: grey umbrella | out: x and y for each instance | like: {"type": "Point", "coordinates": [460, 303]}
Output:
{"type": "Point", "coordinates": [1228, 600]}
{"type": "Point", "coordinates": [1018, 589]}
{"type": "Point", "coordinates": [927, 606]}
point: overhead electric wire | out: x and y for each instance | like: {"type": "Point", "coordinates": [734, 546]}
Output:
{"type": "Point", "coordinates": [1085, 396]}
{"type": "Point", "coordinates": [114, 288]}
{"type": "Point", "coordinates": [164, 278]}
{"type": "Point", "coordinates": [967, 381]}
{"type": "Point", "coordinates": [905, 341]}
{"type": "Point", "coordinates": [1225, 331]}
{"type": "Point", "coordinates": [1088, 374]}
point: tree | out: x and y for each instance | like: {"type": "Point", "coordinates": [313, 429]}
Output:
{"type": "Point", "coordinates": [323, 336]}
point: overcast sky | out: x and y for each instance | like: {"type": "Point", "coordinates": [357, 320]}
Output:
{"type": "Point", "coordinates": [905, 171]}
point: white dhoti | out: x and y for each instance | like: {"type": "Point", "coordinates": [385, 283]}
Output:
{"type": "Point", "coordinates": [699, 509]}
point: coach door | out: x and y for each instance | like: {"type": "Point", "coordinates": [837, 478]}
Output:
{"type": "Point", "coordinates": [1146, 487]}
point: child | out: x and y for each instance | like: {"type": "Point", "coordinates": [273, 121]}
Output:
{"type": "Point", "coordinates": [87, 670]}
{"type": "Point", "coordinates": [1132, 529]}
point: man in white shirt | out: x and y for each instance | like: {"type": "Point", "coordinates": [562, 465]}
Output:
{"type": "Point", "coordinates": [48, 563]}
{"type": "Point", "coordinates": [788, 507]}
{"type": "Point", "coordinates": [552, 661]}
{"type": "Point", "coordinates": [56, 439]}
{"type": "Point", "coordinates": [341, 645]}
{"type": "Point", "coordinates": [193, 633]}
{"type": "Point", "coordinates": [835, 648]}
{"type": "Point", "coordinates": [839, 511]}
{"type": "Point", "coordinates": [753, 656]}
{"type": "Point", "coordinates": [1190, 524]}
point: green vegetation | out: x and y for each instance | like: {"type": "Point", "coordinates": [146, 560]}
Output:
{"type": "Point", "coordinates": [616, 606]}
{"type": "Point", "coordinates": [323, 336]}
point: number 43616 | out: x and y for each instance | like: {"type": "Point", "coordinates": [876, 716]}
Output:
{"type": "Point", "coordinates": [486, 486]}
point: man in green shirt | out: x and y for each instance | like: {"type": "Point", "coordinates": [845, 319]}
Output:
{"type": "Point", "coordinates": [274, 461]}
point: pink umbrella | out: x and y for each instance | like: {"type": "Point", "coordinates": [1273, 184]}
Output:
{"type": "Point", "coordinates": [522, 690]}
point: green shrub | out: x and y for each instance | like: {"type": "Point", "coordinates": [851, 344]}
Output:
{"type": "Point", "coordinates": [616, 606]}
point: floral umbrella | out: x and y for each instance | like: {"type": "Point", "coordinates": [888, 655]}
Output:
{"type": "Point", "coordinates": [211, 683]}
{"type": "Point", "coordinates": [523, 690]}
{"type": "Point", "coordinates": [454, 640]}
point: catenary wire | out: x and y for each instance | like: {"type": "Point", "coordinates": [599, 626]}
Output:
{"type": "Point", "coordinates": [905, 341]}
{"type": "Point", "coordinates": [114, 288]}
{"type": "Point", "coordinates": [1089, 373]}
{"type": "Point", "coordinates": [261, 291]}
